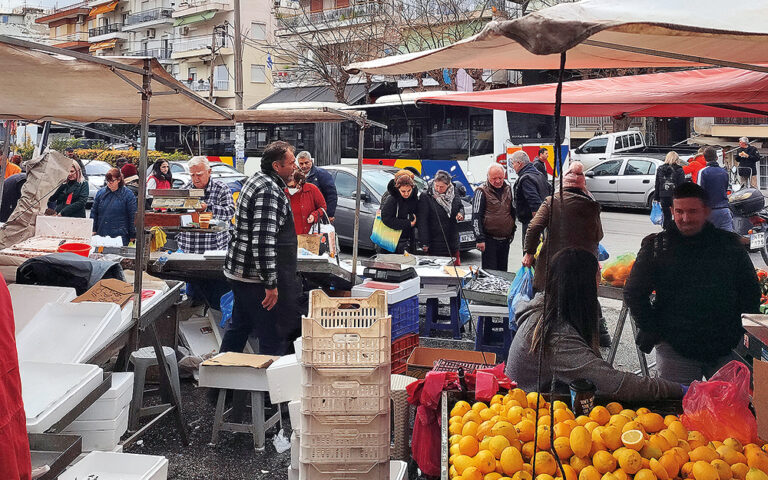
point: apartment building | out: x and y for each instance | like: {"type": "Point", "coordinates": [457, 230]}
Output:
{"type": "Point", "coordinates": [68, 27]}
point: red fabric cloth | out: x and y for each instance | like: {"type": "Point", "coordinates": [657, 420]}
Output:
{"type": "Point", "coordinates": [307, 201]}
{"type": "Point", "coordinates": [694, 167]}
{"type": "Point", "coordinates": [15, 460]}
{"type": "Point", "coordinates": [161, 184]}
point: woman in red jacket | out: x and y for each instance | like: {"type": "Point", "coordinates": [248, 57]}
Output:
{"type": "Point", "coordinates": [307, 203]}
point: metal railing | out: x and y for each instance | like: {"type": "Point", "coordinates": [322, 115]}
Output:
{"type": "Point", "coordinates": [72, 37]}
{"type": "Point", "coordinates": [105, 29]}
{"type": "Point", "coordinates": [159, 53]}
{"type": "Point", "coordinates": [148, 16]}
{"type": "Point", "coordinates": [359, 11]}
{"type": "Point", "coordinates": [741, 121]}
{"type": "Point", "coordinates": [199, 3]}
{"type": "Point", "coordinates": [200, 44]}
{"type": "Point", "coordinates": [205, 86]}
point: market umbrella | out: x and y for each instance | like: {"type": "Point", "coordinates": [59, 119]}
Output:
{"type": "Point", "coordinates": [604, 34]}
{"type": "Point", "coordinates": [714, 92]}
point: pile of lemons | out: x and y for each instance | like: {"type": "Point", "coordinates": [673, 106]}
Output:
{"type": "Point", "coordinates": [496, 442]}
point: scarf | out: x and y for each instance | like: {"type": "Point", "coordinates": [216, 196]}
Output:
{"type": "Point", "coordinates": [445, 200]}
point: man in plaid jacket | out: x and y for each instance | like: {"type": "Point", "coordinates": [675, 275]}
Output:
{"type": "Point", "coordinates": [261, 259]}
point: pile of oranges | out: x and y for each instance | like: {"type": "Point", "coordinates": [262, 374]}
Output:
{"type": "Point", "coordinates": [616, 272]}
{"type": "Point", "coordinates": [496, 442]}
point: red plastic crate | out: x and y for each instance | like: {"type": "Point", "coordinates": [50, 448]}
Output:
{"type": "Point", "coordinates": [401, 350]}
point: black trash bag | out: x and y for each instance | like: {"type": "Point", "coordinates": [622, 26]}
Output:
{"type": "Point", "coordinates": [67, 270]}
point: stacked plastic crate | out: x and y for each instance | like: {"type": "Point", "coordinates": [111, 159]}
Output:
{"type": "Point", "coordinates": [345, 421]}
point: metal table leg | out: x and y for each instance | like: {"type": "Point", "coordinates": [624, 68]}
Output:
{"type": "Point", "coordinates": [640, 355]}
{"type": "Point", "coordinates": [617, 333]}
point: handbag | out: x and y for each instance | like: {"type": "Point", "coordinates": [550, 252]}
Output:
{"type": "Point", "coordinates": [327, 232]}
{"type": "Point", "coordinates": [384, 236]}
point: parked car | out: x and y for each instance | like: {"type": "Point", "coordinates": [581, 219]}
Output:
{"type": "Point", "coordinates": [374, 185]}
{"type": "Point", "coordinates": [624, 181]}
{"type": "Point", "coordinates": [219, 171]}
{"type": "Point", "coordinates": [95, 170]}
{"type": "Point", "coordinates": [630, 143]}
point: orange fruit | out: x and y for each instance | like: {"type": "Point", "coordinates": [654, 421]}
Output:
{"type": "Point", "coordinates": [740, 470]}
{"type": "Point", "coordinates": [506, 429]}
{"type": "Point", "coordinates": [723, 469]}
{"type": "Point", "coordinates": [645, 474]}
{"type": "Point", "coordinates": [618, 421]}
{"type": "Point", "coordinates": [757, 459]}
{"type": "Point", "coordinates": [704, 471]}
{"type": "Point", "coordinates": [484, 429]}
{"type": "Point", "coordinates": [658, 469]}
{"type": "Point", "coordinates": [730, 455]}
{"type": "Point", "coordinates": [545, 463]}
{"type": "Point", "coordinates": [534, 397]}
{"type": "Point", "coordinates": [734, 444]}
{"type": "Point", "coordinates": [468, 445]}
{"type": "Point", "coordinates": [604, 462]}
{"type": "Point", "coordinates": [492, 476]}
{"type": "Point", "coordinates": [591, 426]}
{"type": "Point", "coordinates": [511, 461]}
{"type": "Point", "coordinates": [460, 408]}
{"type": "Point", "coordinates": [679, 430]}
{"type": "Point", "coordinates": [525, 430]}
{"type": "Point", "coordinates": [600, 414]}
{"type": "Point", "coordinates": [614, 408]}
{"type": "Point", "coordinates": [611, 437]}
{"type": "Point", "coordinates": [522, 476]}
{"type": "Point", "coordinates": [633, 439]}
{"type": "Point", "coordinates": [479, 406]}
{"type": "Point", "coordinates": [542, 440]}
{"type": "Point", "coordinates": [470, 429]}
{"type": "Point", "coordinates": [669, 419]}
{"type": "Point", "coordinates": [472, 416]}
{"type": "Point", "coordinates": [472, 473]}
{"type": "Point", "coordinates": [569, 472]}
{"type": "Point", "coordinates": [563, 448]}
{"type": "Point", "coordinates": [563, 414]}
{"type": "Point", "coordinates": [579, 463]}
{"type": "Point", "coordinates": [485, 461]}
{"type": "Point", "coordinates": [563, 430]}
{"type": "Point", "coordinates": [462, 462]}
{"type": "Point", "coordinates": [581, 441]}
{"type": "Point", "coordinates": [705, 454]}
{"type": "Point", "coordinates": [652, 422]}
{"type": "Point", "coordinates": [589, 473]}
{"type": "Point", "coordinates": [497, 445]}
{"type": "Point", "coordinates": [544, 420]}
{"type": "Point", "coordinates": [630, 461]}
{"type": "Point", "coordinates": [630, 414]}
{"type": "Point", "coordinates": [670, 464]}
{"type": "Point", "coordinates": [497, 399]}
{"type": "Point", "coordinates": [527, 451]}
{"type": "Point", "coordinates": [583, 420]}
{"type": "Point", "coordinates": [544, 476]}
{"type": "Point", "coordinates": [515, 414]}
{"type": "Point", "coordinates": [519, 396]}
{"type": "Point", "coordinates": [621, 474]}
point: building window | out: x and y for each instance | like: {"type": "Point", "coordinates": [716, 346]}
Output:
{"type": "Point", "coordinates": [258, 31]}
{"type": "Point", "coordinates": [258, 74]}
{"type": "Point", "coordinates": [192, 74]}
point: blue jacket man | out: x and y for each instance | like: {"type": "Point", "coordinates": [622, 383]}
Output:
{"type": "Point", "coordinates": [714, 180]}
{"type": "Point", "coordinates": [321, 179]}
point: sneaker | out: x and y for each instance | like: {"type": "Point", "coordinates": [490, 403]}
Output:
{"type": "Point", "coordinates": [605, 337]}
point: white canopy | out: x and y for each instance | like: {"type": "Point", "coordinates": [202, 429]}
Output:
{"type": "Point", "coordinates": [604, 34]}
{"type": "Point", "coordinates": [40, 86]}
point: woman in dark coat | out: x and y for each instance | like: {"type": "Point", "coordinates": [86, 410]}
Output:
{"type": "Point", "coordinates": [399, 211]}
{"type": "Point", "coordinates": [668, 177]}
{"type": "Point", "coordinates": [114, 209]}
{"type": "Point", "coordinates": [70, 198]}
{"type": "Point", "coordinates": [439, 211]}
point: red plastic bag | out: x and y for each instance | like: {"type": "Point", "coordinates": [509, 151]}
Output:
{"type": "Point", "coordinates": [426, 442]}
{"type": "Point", "coordinates": [719, 408]}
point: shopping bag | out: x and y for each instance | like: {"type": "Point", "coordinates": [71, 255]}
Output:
{"type": "Point", "coordinates": [227, 303]}
{"type": "Point", "coordinates": [719, 408]}
{"type": "Point", "coordinates": [520, 290]}
{"type": "Point", "coordinates": [384, 236]}
{"type": "Point", "coordinates": [657, 216]}
{"type": "Point", "coordinates": [617, 271]}
{"type": "Point", "coordinates": [602, 253]}
{"type": "Point", "coordinates": [329, 241]}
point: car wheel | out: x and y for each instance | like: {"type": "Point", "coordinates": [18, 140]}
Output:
{"type": "Point", "coordinates": [649, 202]}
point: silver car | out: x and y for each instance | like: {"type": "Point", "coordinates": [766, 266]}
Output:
{"type": "Point", "coordinates": [624, 181]}
{"type": "Point", "coordinates": [219, 171]}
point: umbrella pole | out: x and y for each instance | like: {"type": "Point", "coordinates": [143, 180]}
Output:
{"type": "Point", "coordinates": [6, 153]}
{"type": "Point", "coordinates": [138, 265]}
{"type": "Point", "coordinates": [356, 234]}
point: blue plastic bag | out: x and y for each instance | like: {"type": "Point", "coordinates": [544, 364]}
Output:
{"type": "Point", "coordinates": [657, 216]}
{"type": "Point", "coordinates": [602, 253]}
{"type": "Point", "coordinates": [520, 290]}
{"type": "Point", "coordinates": [464, 314]}
{"type": "Point", "coordinates": [227, 302]}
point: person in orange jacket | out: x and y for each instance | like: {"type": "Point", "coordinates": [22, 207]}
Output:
{"type": "Point", "coordinates": [695, 166]}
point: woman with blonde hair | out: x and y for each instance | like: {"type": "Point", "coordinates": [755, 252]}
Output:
{"type": "Point", "coordinates": [70, 198]}
{"type": "Point", "coordinates": [668, 177]}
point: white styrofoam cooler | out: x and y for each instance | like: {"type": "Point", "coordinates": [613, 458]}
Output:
{"type": "Point", "coordinates": [102, 435]}
{"type": "Point", "coordinates": [199, 336]}
{"type": "Point", "coordinates": [111, 404]}
{"type": "Point", "coordinates": [294, 412]}
{"type": "Point", "coordinates": [405, 290]}
{"type": "Point", "coordinates": [118, 466]}
{"type": "Point", "coordinates": [295, 450]}
{"type": "Point", "coordinates": [51, 390]}
{"type": "Point", "coordinates": [68, 332]}
{"type": "Point", "coordinates": [27, 300]}
{"type": "Point", "coordinates": [284, 378]}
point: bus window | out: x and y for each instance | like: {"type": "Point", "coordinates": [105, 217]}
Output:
{"type": "Point", "coordinates": [481, 135]}
{"type": "Point", "coordinates": [448, 133]}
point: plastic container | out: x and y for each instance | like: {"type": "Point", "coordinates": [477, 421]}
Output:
{"type": "Point", "coordinates": [102, 435]}
{"type": "Point", "coordinates": [25, 310]}
{"type": "Point", "coordinates": [403, 290]}
{"type": "Point", "coordinates": [354, 448]}
{"type": "Point", "coordinates": [82, 249]}
{"type": "Point", "coordinates": [405, 317]}
{"type": "Point", "coordinates": [346, 332]}
{"type": "Point", "coordinates": [378, 471]}
{"type": "Point", "coordinates": [401, 350]}
{"type": "Point", "coordinates": [118, 466]}
{"type": "Point", "coordinates": [340, 398]}
{"type": "Point", "coordinates": [111, 404]}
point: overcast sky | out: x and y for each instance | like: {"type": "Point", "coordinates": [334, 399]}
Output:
{"type": "Point", "coordinates": [36, 3]}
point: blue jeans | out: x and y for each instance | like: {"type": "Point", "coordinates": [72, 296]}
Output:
{"type": "Point", "coordinates": [722, 218]}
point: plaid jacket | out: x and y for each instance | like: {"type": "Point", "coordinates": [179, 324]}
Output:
{"type": "Point", "coordinates": [218, 197]}
{"type": "Point", "coordinates": [262, 209]}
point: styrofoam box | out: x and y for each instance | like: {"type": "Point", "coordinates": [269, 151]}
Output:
{"type": "Point", "coordinates": [114, 400]}
{"type": "Point", "coordinates": [284, 378]}
{"type": "Point", "coordinates": [297, 348]}
{"type": "Point", "coordinates": [295, 451]}
{"type": "Point", "coordinates": [27, 300]}
{"type": "Point", "coordinates": [146, 303]}
{"type": "Point", "coordinates": [102, 435]}
{"type": "Point", "coordinates": [294, 412]}
{"type": "Point", "coordinates": [293, 473]}
{"type": "Point", "coordinates": [407, 289]}
{"type": "Point", "coordinates": [67, 332]}
{"type": "Point", "coordinates": [118, 466]}
{"type": "Point", "coordinates": [235, 378]}
{"type": "Point", "coordinates": [199, 336]}
{"type": "Point", "coordinates": [51, 390]}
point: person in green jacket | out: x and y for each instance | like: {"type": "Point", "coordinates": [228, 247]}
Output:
{"type": "Point", "coordinates": [70, 198]}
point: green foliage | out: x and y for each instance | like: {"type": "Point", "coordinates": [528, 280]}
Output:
{"type": "Point", "coordinates": [26, 150]}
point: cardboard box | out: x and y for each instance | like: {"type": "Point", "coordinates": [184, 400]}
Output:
{"type": "Point", "coordinates": [422, 359]}
{"type": "Point", "coordinates": [760, 396]}
{"type": "Point", "coordinates": [236, 371]}
{"type": "Point", "coordinates": [284, 378]}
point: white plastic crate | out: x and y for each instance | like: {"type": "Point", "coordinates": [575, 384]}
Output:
{"type": "Point", "coordinates": [101, 435]}
{"type": "Point", "coordinates": [346, 395]}
{"type": "Point", "coordinates": [346, 332]}
{"type": "Point", "coordinates": [111, 404]}
{"type": "Point", "coordinates": [118, 466]}
{"type": "Point", "coordinates": [378, 471]}
{"type": "Point", "coordinates": [406, 289]}
{"type": "Point", "coordinates": [354, 448]}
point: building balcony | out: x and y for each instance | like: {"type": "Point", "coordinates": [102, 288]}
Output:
{"type": "Point", "coordinates": [201, 46]}
{"type": "Point", "coordinates": [72, 41]}
{"type": "Point", "coordinates": [205, 86]}
{"type": "Point", "coordinates": [107, 32]}
{"type": "Point", "coordinates": [193, 7]}
{"type": "Point", "coordinates": [337, 17]}
{"type": "Point", "coordinates": [148, 18]}
{"type": "Point", "coordinates": [158, 53]}
{"type": "Point", "coordinates": [761, 121]}
{"type": "Point", "coordinates": [70, 11]}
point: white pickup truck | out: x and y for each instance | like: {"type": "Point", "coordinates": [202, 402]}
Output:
{"type": "Point", "coordinates": [603, 147]}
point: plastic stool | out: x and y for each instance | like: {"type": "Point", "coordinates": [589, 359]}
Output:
{"type": "Point", "coordinates": [401, 416]}
{"type": "Point", "coordinates": [488, 338]}
{"type": "Point", "coordinates": [433, 320]}
{"type": "Point", "coordinates": [142, 359]}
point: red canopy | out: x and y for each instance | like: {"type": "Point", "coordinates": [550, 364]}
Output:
{"type": "Point", "coordinates": [715, 92]}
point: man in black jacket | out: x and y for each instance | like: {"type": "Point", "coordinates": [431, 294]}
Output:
{"type": "Point", "coordinates": [748, 157]}
{"type": "Point", "coordinates": [530, 188]}
{"type": "Point", "coordinates": [703, 279]}
{"type": "Point", "coordinates": [321, 179]}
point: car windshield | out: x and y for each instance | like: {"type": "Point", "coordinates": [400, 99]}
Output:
{"type": "Point", "coordinates": [223, 169]}
{"type": "Point", "coordinates": [379, 179]}
{"type": "Point", "coordinates": [95, 167]}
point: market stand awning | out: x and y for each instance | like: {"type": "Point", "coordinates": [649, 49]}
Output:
{"type": "Point", "coordinates": [604, 34]}
{"type": "Point", "coordinates": [715, 92]}
{"type": "Point", "coordinates": [54, 87]}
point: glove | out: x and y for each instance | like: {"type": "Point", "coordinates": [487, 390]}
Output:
{"type": "Point", "coordinates": [645, 340]}
{"type": "Point", "coordinates": [685, 388]}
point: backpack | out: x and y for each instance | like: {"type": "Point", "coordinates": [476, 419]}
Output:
{"type": "Point", "coordinates": [668, 185]}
